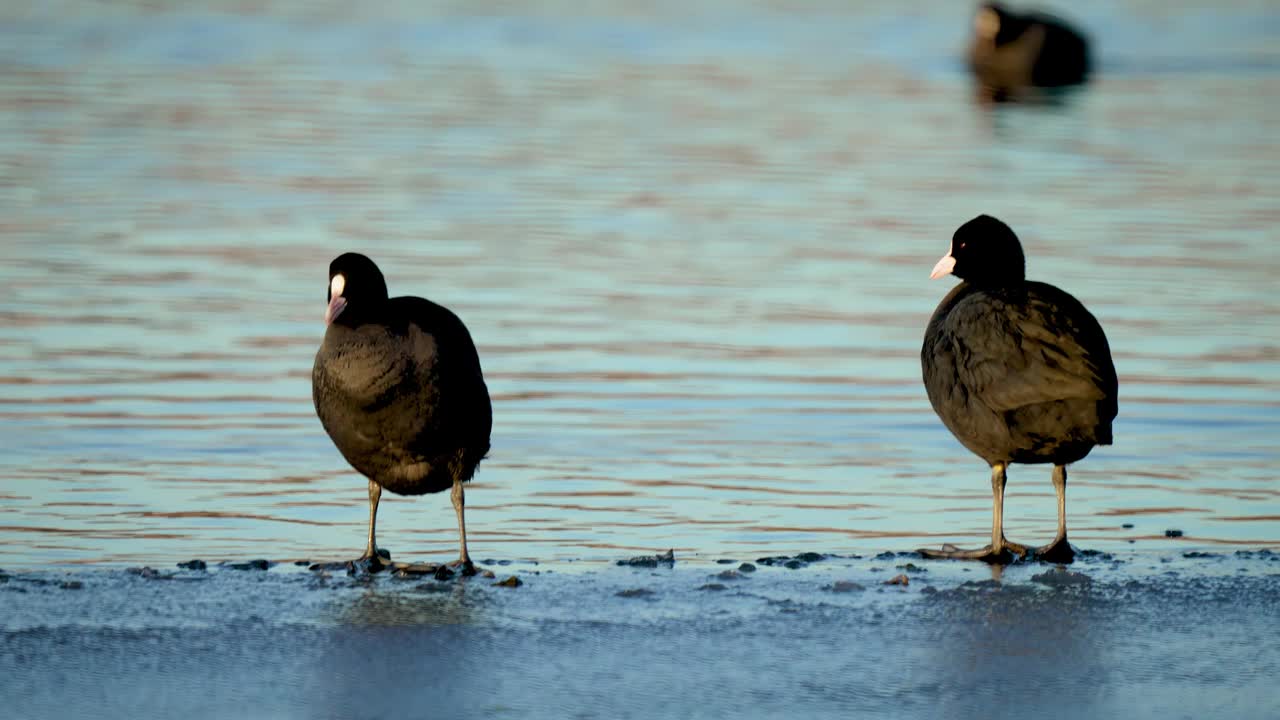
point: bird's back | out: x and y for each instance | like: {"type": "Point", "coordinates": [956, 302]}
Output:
{"type": "Point", "coordinates": [404, 398]}
{"type": "Point", "coordinates": [1020, 374]}
{"type": "Point", "coordinates": [1040, 51]}
{"type": "Point", "coordinates": [1064, 56]}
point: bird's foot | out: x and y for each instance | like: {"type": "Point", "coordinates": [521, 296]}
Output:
{"type": "Point", "coordinates": [373, 562]}
{"type": "Point", "coordinates": [464, 567]}
{"type": "Point", "coordinates": [1004, 556]}
{"type": "Point", "coordinates": [1059, 551]}
{"type": "Point", "coordinates": [1017, 548]}
{"type": "Point", "coordinates": [370, 562]}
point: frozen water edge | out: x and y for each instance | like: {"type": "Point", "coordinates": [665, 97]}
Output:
{"type": "Point", "coordinates": [1142, 636]}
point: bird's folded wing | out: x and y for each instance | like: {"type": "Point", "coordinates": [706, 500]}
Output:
{"type": "Point", "coordinates": [1019, 354]}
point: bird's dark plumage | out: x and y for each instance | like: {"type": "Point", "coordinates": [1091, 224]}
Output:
{"type": "Point", "coordinates": [1018, 371]}
{"type": "Point", "coordinates": [1011, 52]}
{"type": "Point", "coordinates": [398, 387]}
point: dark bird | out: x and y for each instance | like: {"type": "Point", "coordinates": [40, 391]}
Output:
{"type": "Point", "coordinates": [1019, 371]}
{"type": "Point", "coordinates": [1011, 53]}
{"type": "Point", "coordinates": [398, 387]}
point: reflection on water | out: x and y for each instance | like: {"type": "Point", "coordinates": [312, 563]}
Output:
{"type": "Point", "coordinates": [693, 253]}
{"type": "Point", "coordinates": [429, 603]}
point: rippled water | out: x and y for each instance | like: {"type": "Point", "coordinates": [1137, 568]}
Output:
{"type": "Point", "coordinates": [692, 247]}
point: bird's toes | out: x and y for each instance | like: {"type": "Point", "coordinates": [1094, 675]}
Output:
{"type": "Point", "coordinates": [464, 567]}
{"type": "Point", "coordinates": [327, 566]}
{"type": "Point", "coordinates": [985, 554]}
{"type": "Point", "coordinates": [1059, 552]}
{"type": "Point", "coordinates": [1017, 548]}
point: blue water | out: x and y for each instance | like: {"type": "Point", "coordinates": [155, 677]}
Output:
{"type": "Point", "coordinates": [692, 245]}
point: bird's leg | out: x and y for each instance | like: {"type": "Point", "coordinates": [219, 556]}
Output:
{"type": "Point", "coordinates": [998, 481]}
{"type": "Point", "coordinates": [372, 553]}
{"type": "Point", "coordinates": [1013, 547]}
{"type": "Point", "coordinates": [374, 558]}
{"type": "Point", "coordinates": [1000, 550]}
{"type": "Point", "coordinates": [459, 502]}
{"type": "Point", "coordinates": [1058, 551]}
{"type": "Point", "coordinates": [999, 543]}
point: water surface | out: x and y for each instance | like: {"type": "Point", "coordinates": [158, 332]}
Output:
{"type": "Point", "coordinates": [692, 247]}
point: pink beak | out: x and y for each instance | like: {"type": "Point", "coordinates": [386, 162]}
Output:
{"type": "Point", "coordinates": [944, 267]}
{"type": "Point", "coordinates": [336, 305]}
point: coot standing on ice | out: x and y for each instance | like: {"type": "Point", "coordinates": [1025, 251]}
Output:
{"type": "Point", "coordinates": [1011, 52]}
{"type": "Point", "coordinates": [398, 387]}
{"type": "Point", "coordinates": [1018, 371]}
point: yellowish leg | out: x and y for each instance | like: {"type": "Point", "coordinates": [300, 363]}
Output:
{"type": "Point", "coordinates": [1059, 551]}
{"type": "Point", "coordinates": [996, 551]}
{"type": "Point", "coordinates": [998, 481]}
{"type": "Point", "coordinates": [459, 503]}
{"type": "Point", "coordinates": [371, 550]}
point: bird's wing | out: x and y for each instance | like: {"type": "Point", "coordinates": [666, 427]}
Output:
{"type": "Point", "coordinates": [446, 363]}
{"type": "Point", "coordinates": [1043, 346]}
{"type": "Point", "coordinates": [435, 335]}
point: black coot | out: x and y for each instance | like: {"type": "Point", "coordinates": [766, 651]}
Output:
{"type": "Point", "coordinates": [398, 387]}
{"type": "Point", "coordinates": [1012, 52]}
{"type": "Point", "coordinates": [1018, 371]}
